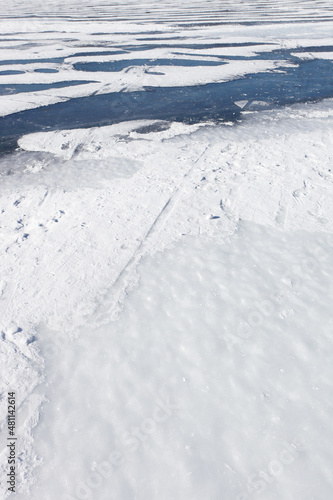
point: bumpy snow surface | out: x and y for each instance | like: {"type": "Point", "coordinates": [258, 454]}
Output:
{"type": "Point", "coordinates": [166, 221]}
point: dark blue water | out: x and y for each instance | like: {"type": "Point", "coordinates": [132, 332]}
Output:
{"type": "Point", "coordinates": [310, 81]}
{"type": "Point", "coordinates": [155, 39]}
{"type": "Point", "coordinates": [11, 72]}
{"type": "Point", "coordinates": [120, 65]}
{"type": "Point", "coordinates": [18, 88]}
{"type": "Point", "coordinates": [46, 70]}
{"type": "Point", "coordinates": [59, 60]}
{"type": "Point", "coordinates": [314, 48]}
{"type": "Point", "coordinates": [248, 23]}
{"type": "Point", "coordinates": [194, 46]}
{"type": "Point", "coordinates": [275, 55]}
{"type": "Point", "coordinates": [126, 33]}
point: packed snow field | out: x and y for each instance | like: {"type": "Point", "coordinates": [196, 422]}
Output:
{"type": "Point", "coordinates": [166, 249]}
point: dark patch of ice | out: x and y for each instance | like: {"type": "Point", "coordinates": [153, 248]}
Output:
{"type": "Point", "coordinates": [46, 70]}
{"type": "Point", "coordinates": [11, 72]}
{"type": "Point", "coordinates": [17, 88]}
{"type": "Point", "coordinates": [125, 63]}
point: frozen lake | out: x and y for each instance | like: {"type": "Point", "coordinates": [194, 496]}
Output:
{"type": "Point", "coordinates": [166, 221]}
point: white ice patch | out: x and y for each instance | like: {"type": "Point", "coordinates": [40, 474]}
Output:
{"type": "Point", "coordinates": [104, 141]}
{"type": "Point", "coordinates": [241, 104]}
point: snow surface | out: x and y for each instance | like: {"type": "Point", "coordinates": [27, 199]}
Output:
{"type": "Point", "coordinates": [165, 288]}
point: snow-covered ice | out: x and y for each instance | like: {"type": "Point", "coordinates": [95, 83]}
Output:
{"type": "Point", "coordinates": [166, 287]}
